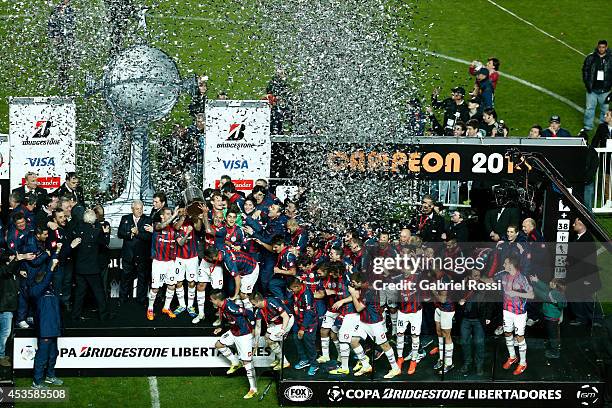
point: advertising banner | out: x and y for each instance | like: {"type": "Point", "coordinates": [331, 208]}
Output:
{"type": "Point", "coordinates": [5, 151]}
{"type": "Point", "coordinates": [448, 159]}
{"type": "Point", "coordinates": [451, 393]}
{"type": "Point", "coordinates": [42, 138]}
{"type": "Point", "coordinates": [133, 352]}
{"type": "Point", "coordinates": [237, 142]}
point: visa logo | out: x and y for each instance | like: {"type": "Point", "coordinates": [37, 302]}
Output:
{"type": "Point", "coordinates": [41, 161]}
{"type": "Point", "coordinates": [235, 164]}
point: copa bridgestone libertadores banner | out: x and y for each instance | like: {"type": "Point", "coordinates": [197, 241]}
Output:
{"type": "Point", "coordinates": [134, 352]}
{"type": "Point", "coordinates": [237, 142]}
{"type": "Point", "coordinates": [42, 138]}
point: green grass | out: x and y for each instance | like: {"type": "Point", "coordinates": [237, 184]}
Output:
{"type": "Point", "coordinates": [228, 50]}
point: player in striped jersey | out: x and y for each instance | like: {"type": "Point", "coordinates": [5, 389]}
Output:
{"type": "Point", "coordinates": [163, 270]}
{"type": "Point", "coordinates": [187, 263]}
{"type": "Point", "coordinates": [329, 274]}
{"type": "Point", "coordinates": [230, 237]}
{"type": "Point", "coordinates": [241, 267]}
{"type": "Point", "coordinates": [279, 321]}
{"type": "Point", "coordinates": [410, 314]}
{"type": "Point", "coordinates": [517, 290]}
{"type": "Point", "coordinates": [349, 328]}
{"type": "Point", "coordinates": [240, 334]}
{"type": "Point", "coordinates": [445, 311]}
{"type": "Point", "coordinates": [367, 303]}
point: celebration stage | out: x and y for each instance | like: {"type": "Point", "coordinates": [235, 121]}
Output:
{"type": "Point", "coordinates": [572, 380]}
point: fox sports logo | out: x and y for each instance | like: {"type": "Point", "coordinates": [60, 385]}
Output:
{"type": "Point", "coordinates": [298, 393]}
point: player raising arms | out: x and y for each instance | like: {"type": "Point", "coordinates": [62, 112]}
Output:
{"type": "Point", "coordinates": [279, 321]}
{"type": "Point", "coordinates": [367, 303]}
{"type": "Point", "coordinates": [240, 334]}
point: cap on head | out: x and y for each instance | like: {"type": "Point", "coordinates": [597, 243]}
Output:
{"type": "Point", "coordinates": [555, 118]}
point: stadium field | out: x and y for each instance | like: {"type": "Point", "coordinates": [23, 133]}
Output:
{"type": "Point", "coordinates": [218, 38]}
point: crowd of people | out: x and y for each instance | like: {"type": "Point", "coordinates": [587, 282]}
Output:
{"type": "Point", "coordinates": [272, 273]}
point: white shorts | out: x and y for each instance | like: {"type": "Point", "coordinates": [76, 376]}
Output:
{"type": "Point", "coordinates": [515, 323]}
{"type": "Point", "coordinates": [214, 277]}
{"type": "Point", "coordinates": [247, 282]}
{"type": "Point", "coordinates": [162, 272]}
{"type": "Point", "coordinates": [375, 331]}
{"type": "Point", "coordinates": [187, 268]}
{"type": "Point", "coordinates": [329, 319]}
{"type": "Point", "coordinates": [244, 344]}
{"type": "Point", "coordinates": [445, 319]}
{"type": "Point", "coordinates": [351, 327]}
{"type": "Point", "coordinates": [273, 331]}
{"type": "Point", "coordinates": [413, 319]}
{"type": "Point", "coordinates": [389, 297]}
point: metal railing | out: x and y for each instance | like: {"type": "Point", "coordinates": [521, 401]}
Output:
{"type": "Point", "coordinates": [602, 186]}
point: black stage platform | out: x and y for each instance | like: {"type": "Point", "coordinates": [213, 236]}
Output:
{"type": "Point", "coordinates": [573, 380]}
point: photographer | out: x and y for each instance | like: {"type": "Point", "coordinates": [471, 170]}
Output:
{"type": "Point", "coordinates": [492, 126]}
{"type": "Point", "coordinates": [455, 108]}
{"type": "Point", "coordinates": [9, 267]}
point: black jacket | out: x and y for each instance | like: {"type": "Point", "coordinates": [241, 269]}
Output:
{"type": "Point", "coordinates": [430, 230]}
{"type": "Point", "coordinates": [78, 192]}
{"type": "Point", "coordinates": [138, 246]}
{"type": "Point", "coordinates": [9, 286]}
{"type": "Point", "coordinates": [592, 63]}
{"type": "Point", "coordinates": [459, 231]}
{"type": "Point", "coordinates": [601, 135]}
{"type": "Point", "coordinates": [450, 111]}
{"type": "Point", "coordinates": [39, 193]}
{"type": "Point", "coordinates": [582, 268]}
{"type": "Point", "coordinates": [510, 216]}
{"type": "Point", "coordinates": [87, 253]}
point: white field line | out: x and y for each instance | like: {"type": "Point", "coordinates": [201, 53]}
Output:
{"type": "Point", "coordinates": [154, 391]}
{"type": "Point", "coordinates": [529, 23]}
{"type": "Point", "coordinates": [512, 77]}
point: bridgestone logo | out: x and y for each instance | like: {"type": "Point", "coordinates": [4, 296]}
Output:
{"type": "Point", "coordinates": [236, 145]}
{"type": "Point", "coordinates": [40, 142]}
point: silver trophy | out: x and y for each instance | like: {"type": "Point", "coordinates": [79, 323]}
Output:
{"type": "Point", "coordinates": [192, 196]}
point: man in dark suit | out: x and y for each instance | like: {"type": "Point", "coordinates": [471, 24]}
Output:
{"type": "Point", "coordinates": [71, 187]}
{"type": "Point", "coordinates": [497, 220]}
{"type": "Point", "coordinates": [31, 187]}
{"type": "Point", "coordinates": [428, 225]}
{"type": "Point", "coordinates": [135, 252]}
{"type": "Point", "coordinates": [583, 277]}
{"type": "Point", "coordinates": [89, 239]}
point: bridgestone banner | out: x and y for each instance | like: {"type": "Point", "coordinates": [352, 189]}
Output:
{"type": "Point", "coordinates": [237, 142]}
{"type": "Point", "coordinates": [42, 138]}
{"type": "Point", "coordinates": [133, 352]}
{"type": "Point", "coordinates": [450, 393]}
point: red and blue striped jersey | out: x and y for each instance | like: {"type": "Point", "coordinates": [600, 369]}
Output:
{"type": "Point", "coordinates": [330, 284]}
{"type": "Point", "coordinates": [190, 248]}
{"type": "Point", "coordinates": [230, 237]}
{"type": "Point", "coordinates": [343, 292]}
{"type": "Point", "coordinates": [449, 305]}
{"type": "Point", "coordinates": [371, 299]}
{"type": "Point", "coordinates": [516, 283]}
{"type": "Point", "coordinates": [272, 311]}
{"type": "Point", "coordinates": [238, 263]}
{"type": "Point", "coordinates": [306, 316]}
{"type": "Point", "coordinates": [410, 294]}
{"type": "Point", "coordinates": [163, 245]}
{"type": "Point", "coordinates": [240, 320]}
{"type": "Point", "coordinates": [299, 239]}
{"type": "Point", "coordinates": [286, 260]}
